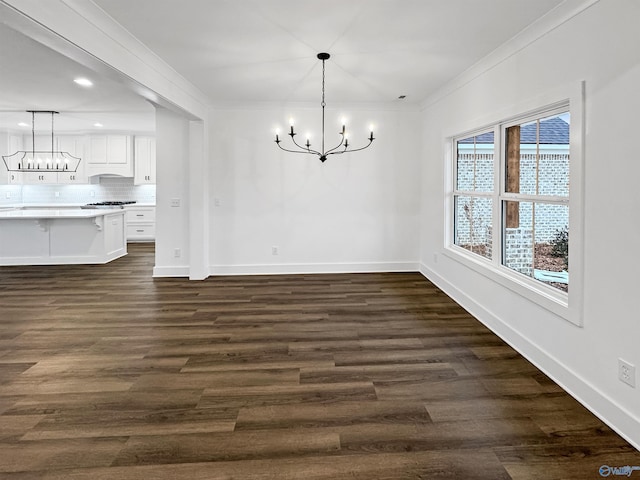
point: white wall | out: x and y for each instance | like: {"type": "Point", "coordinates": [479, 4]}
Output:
{"type": "Point", "coordinates": [600, 46]}
{"type": "Point", "coordinates": [172, 170]}
{"type": "Point", "coordinates": [355, 212]}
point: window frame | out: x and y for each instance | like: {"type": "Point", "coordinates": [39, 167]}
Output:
{"type": "Point", "coordinates": [568, 306]}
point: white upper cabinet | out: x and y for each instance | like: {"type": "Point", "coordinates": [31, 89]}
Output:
{"type": "Point", "coordinates": [99, 154]}
{"type": "Point", "coordinates": [145, 160]}
{"type": "Point", "coordinates": [9, 144]}
{"type": "Point", "coordinates": [109, 155]}
{"type": "Point", "coordinates": [74, 145]}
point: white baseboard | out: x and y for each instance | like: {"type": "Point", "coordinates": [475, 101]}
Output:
{"type": "Point", "coordinates": [299, 268]}
{"type": "Point", "coordinates": [598, 402]}
{"type": "Point", "coordinates": [170, 272]}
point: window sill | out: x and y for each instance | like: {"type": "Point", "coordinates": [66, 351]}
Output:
{"type": "Point", "coordinates": [543, 295]}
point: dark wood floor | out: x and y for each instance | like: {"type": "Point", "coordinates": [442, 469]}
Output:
{"type": "Point", "coordinates": [107, 373]}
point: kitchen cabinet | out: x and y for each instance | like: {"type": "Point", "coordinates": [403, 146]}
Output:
{"type": "Point", "coordinates": [39, 178]}
{"type": "Point", "coordinates": [74, 145]}
{"type": "Point", "coordinates": [9, 144]}
{"type": "Point", "coordinates": [109, 155]}
{"type": "Point", "coordinates": [141, 223]}
{"type": "Point", "coordinates": [61, 237]}
{"type": "Point", "coordinates": [144, 158]}
{"type": "Point", "coordinates": [14, 178]}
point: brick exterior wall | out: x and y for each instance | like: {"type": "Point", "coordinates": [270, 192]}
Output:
{"type": "Point", "coordinates": [473, 215]}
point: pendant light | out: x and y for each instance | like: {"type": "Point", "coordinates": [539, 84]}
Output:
{"type": "Point", "coordinates": [41, 160]}
{"type": "Point", "coordinates": [342, 147]}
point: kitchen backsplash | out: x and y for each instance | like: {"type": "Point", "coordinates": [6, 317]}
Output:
{"type": "Point", "coordinates": [109, 188]}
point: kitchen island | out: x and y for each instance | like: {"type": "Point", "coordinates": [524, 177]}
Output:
{"type": "Point", "coordinates": [60, 237]}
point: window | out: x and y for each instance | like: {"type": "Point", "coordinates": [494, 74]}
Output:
{"type": "Point", "coordinates": [473, 196]}
{"type": "Point", "coordinates": [535, 199]}
{"type": "Point", "coordinates": [517, 186]}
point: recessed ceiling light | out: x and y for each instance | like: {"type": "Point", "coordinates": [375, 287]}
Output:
{"type": "Point", "coordinates": [98, 125]}
{"type": "Point", "coordinates": [22, 124]}
{"type": "Point", "coordinates": [85, 82]}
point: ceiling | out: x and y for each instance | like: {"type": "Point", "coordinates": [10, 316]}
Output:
{"type": "Point", "coordinates": [265, 51]}
{"type": "Point", "coordinates": [35, 77]}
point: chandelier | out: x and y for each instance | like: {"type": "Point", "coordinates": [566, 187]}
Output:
{"type": "Point", "coordinates": [342, 147]}
{"type": "Point", "coordinates": [41, 160]}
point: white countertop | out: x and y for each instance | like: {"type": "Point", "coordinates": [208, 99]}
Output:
{"type": "Point", "coordinates": [61, 213]}
{"type": "Point", "coordinates": [68, 205]}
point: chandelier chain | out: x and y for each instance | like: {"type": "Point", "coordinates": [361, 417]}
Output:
{"type": "Point", "coordinates": [323, 102]}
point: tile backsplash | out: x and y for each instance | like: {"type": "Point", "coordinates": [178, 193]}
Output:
{"type": "Point", "coordinates": [109, 188]}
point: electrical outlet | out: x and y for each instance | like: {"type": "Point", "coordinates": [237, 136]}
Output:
{"type": "Point", "coordinates": [216, 202]}
{"type": "Point", "coordinates": [92, 193]}
{"type": "Point", "coordinates": [177, 252]}
{"type": "Point", "coordinates": [175, 202]}
{"type": "Point", "coordinates": [8, 195]}
{"type": "Point", "coordinates": [275, 250]}
{"type": "Point", "coordinates": [57, 194]}
{"type": "Point", "coordinates": [627, 373]}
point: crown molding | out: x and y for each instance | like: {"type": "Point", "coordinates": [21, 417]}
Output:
{"type": "Point", "coordinates": [342, 106]}
{"type": "Point", "coordinates": [538, 29]}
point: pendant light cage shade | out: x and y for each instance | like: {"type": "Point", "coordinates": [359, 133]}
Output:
{"type": "Point", "coordinates": [41, 160]}
{"type": "Point", "coordinates": [343, 146]}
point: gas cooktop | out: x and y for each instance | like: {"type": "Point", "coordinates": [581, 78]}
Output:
{"type": "Point", "coordinates": [110, 204]}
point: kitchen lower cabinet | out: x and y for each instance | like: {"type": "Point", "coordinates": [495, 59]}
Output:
{"type": "Point", "coordinates": [141, 223]}
{"type": "Point", "coordinates": [61, 237]}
